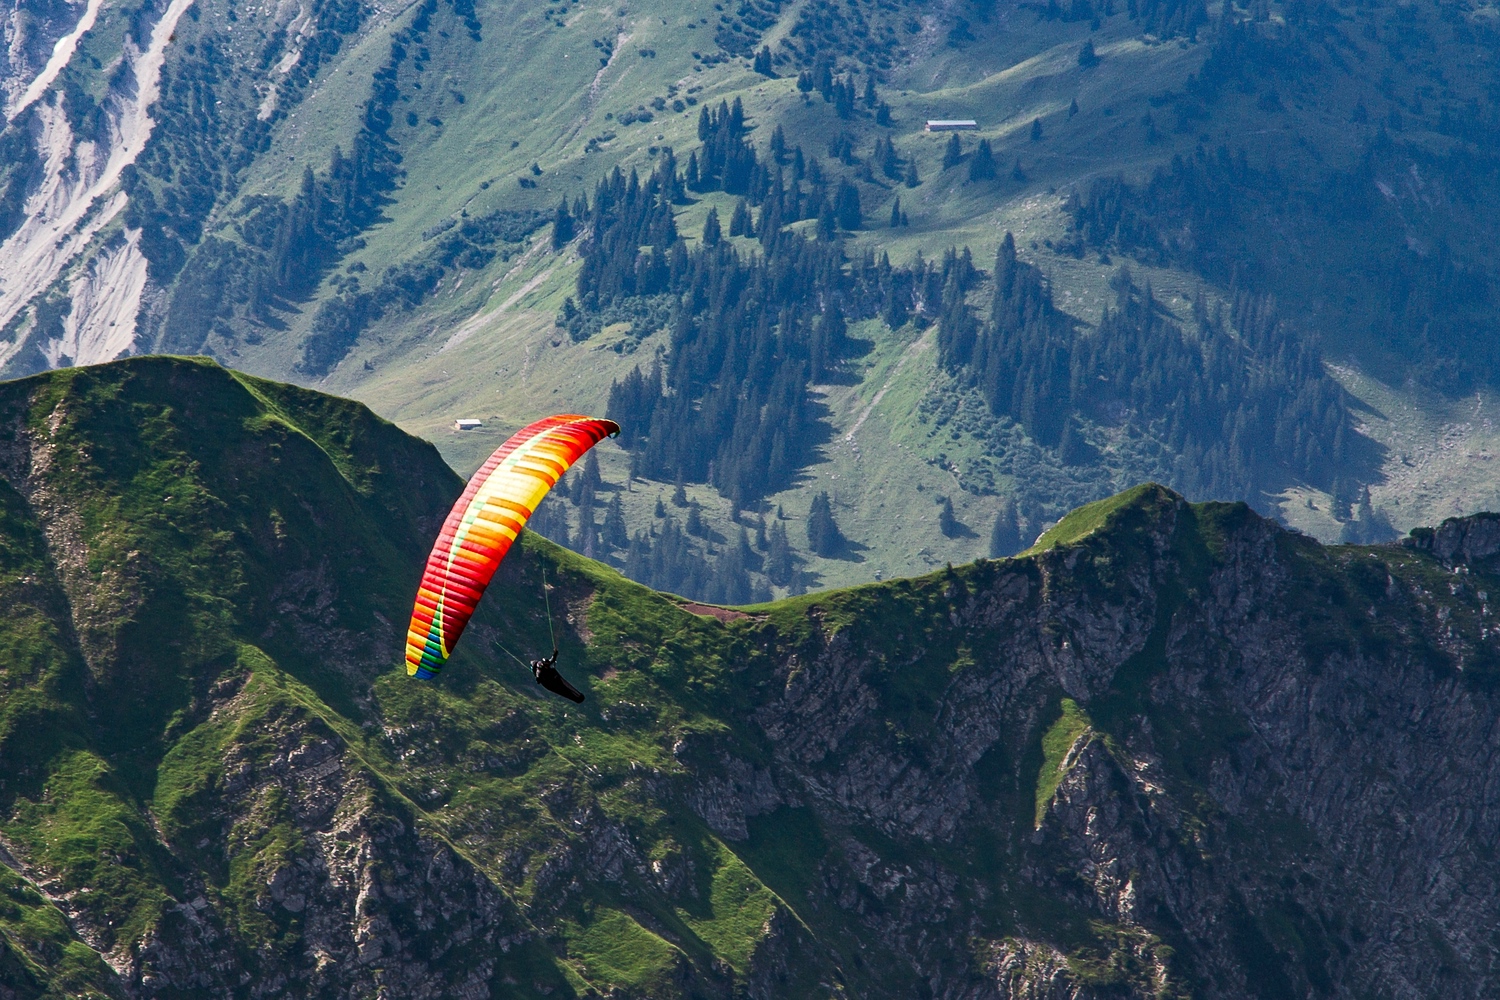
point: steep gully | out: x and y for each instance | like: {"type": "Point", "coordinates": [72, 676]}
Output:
{"type": "Point", "coordinates": [76, 199]}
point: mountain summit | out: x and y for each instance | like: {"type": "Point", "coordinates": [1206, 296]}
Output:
{"type": "Point", "coordinates": [1170, 750]}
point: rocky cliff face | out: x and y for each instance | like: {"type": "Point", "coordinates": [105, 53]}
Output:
{"type": "Point", "coordinates": [1173, 751]}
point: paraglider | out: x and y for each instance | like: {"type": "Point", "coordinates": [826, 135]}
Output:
{"type": "Point", "coordinates": [545, 672]}
{"type": "Point", "coordinates": [479, 531]}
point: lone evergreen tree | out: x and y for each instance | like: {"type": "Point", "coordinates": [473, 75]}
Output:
{"type": "Point", "coordinates": [1087, 57]}
{"type": "Point", "coordinates": [711, 231]}
{"type": "Point", "coordinates": [947, 523]}
{"type": "Point", "coordinates": [1036, 130]}
{"type": "Point", "coordinates": [982, 166]}
{"type": "Point", "coordinates": [896, 214]}
{"type": "Point", "coordinates": [912, 177]}
{"type": "Point", "coordinates": [763, 62]}
{"type": "Point", "coordinates": [823, 535]}
{"type": "Point", "coordinates": [953, 153]}
{"type": "Point", "coordinates": [679, 493]}
{"type": "Point", "coordinates": [1073, 108]}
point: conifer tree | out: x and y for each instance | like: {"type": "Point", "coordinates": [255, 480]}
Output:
{"type": "Point", "coordinates": [779, 566]}
{"type": "Point", "coordinates": [679, 493]}
{"type": "Point", "coordinates": [562, 225]}
{"type": "Point", "coordinates": [638, 558]}
{"type": "Point", "coordinates": [1087, 57]}
{"type": "Point", "coordinates": [550, 520]}
{"type": "Point", "coordinates": [711, 232]}
{"type": "Point", "coordinates": [947, 523]}
{"type": "Point", "coordinates": [896, 213]}
{"type": "Point", "coordinates": [844, 98]}
{"type": "Point", "coordinates": [823, 535]}
{"type": "Point", "coordinates": [763, 62]}
{"type": "Point", "coordinates": [982, 165]}
{"type": "Point", "coordinates": [615, 532]}
{"type": "Point", "coordinates": [827, 223]}
{"type": "Point", "coordinates": [912, 178]}
{"type": "Point", "coordinates": [847, 207]}
{"type": "Point", "coordinates": [1036, 130]}
{"type": "Point", "coordinates": [695, 523]}
{"type": "Point", "coordinates": [741, 223]}
{"type": "Point", "coordinates": [591, 480]}
{"type": "Point", "coordinates": [1072, 449]}
{"type": "Point", "coordinates": [953, 152]}
{"type": "Point", "coordinates": [586, 539]}
{"type": "Point", "coordinates": [732, 573]}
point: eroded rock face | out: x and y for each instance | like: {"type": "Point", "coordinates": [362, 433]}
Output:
{"type": "Point", "coordinates": [1292, 812]}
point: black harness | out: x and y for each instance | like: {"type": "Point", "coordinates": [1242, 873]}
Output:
{"type": "Point", "coordinates": [547, 676]}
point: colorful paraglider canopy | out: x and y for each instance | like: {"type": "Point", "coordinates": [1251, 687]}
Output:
{"type": "Point", "coordinates": [484, 522]}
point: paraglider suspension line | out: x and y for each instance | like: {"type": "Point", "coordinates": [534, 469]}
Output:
{"type": "Point", "coordinates": [513, 656]}
{"type": "Point", "coordinates": [551, 634]}
{"type": "Point", "coordinates": [548, 604]}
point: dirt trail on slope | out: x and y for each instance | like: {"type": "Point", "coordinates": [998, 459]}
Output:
{"type": "Point", "coordinates": [61, 216]}
{"type": "Point", "coordinates": [916, 347]}
{"type": "Point", "coordinates": [475, 323]}
{"type": "Point", "coordinates": [622, 38]}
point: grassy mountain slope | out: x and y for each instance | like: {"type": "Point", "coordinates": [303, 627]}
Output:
{"type": "Point", "coordinates": [1057, 771]}
{"type": "Point", "coordinates": [460, 126]}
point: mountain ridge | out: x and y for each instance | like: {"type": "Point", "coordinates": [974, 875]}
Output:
{"type": "Point", "coordinates": [354, 178]}
{"type": "Point", "coordinates": [1172, 750]}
